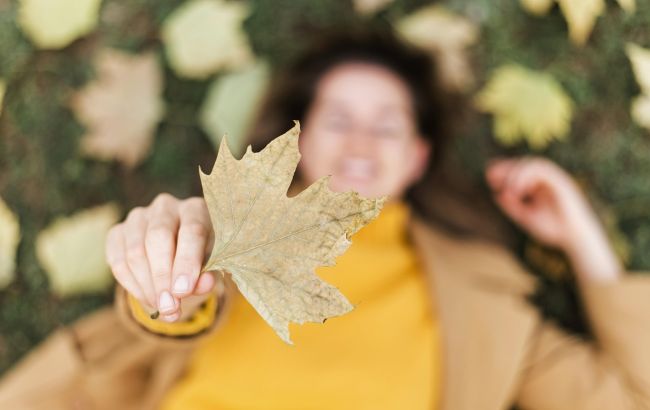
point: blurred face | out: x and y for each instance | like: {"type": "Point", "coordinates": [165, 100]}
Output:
{"type": "Point", "coordinates": [361, 130]}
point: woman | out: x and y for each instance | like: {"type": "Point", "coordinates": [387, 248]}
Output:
{"type": "Point", "coordinates": [441, 320]}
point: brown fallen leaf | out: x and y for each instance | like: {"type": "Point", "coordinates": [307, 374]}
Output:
{"type": "Point", "coordinates": [122, 107]}
{"type": "Point", "coordinates": [270, 243]}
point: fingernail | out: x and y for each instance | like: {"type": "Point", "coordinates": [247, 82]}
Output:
{"type": "Point", "coordinates": [171, 318]}
{"type": "Point", "coordinates": [182, 284]}
{"type": "Point", "coordinates": [166, 301]}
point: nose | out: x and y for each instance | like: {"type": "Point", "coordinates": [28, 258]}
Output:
{"type": "Point", "coordinates": [359, 141]}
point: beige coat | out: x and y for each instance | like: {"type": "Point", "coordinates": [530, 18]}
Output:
{"type": "Point", "coordinates": [497, 349]}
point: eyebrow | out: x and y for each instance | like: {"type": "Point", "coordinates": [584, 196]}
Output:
{"type": "Point", "coordinates": [408, 110]}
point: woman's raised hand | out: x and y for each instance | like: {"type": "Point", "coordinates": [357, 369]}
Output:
{"type": "Point", "coordinates": [546, 202]}
{"type": "Point", "coordinates": [157, 253]}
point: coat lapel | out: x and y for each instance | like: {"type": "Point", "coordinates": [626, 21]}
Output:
{"type": "Point", "coordinates": [479, 294]}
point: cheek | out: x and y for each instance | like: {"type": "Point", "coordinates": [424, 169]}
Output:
{"type": "Point", "coordinates": [318, 154]}
{"type": "Point", "coordinates": [398, 167]}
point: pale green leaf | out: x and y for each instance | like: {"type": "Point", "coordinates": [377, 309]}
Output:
{"type": "Point", "coordinates": [53, 24]}
{"type": "Point", "coordinates": [204, 36]}
{"type": "Point", "coordinates": [231, 103]}
{"type": "Point", "coordinates": [71, 250]}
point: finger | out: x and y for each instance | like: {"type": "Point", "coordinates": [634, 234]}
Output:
{"type": "Point", "coordinates": [526, 177]}
{"type": "Point", "coordinates": [134, 230]}
{"type": "Point", "coordinates": [193, 235]}
{"type": "Point", "coordinates": [497, 172]}
{"type": "Point", "coordinates": [116, 259]}
{"type": "Point", "coordinates": [205, 284]}
{"type": "Point", "coordinates": [171, 317]}
{"type": "Point", "coordinates": [512, 206]}
{"type": "Point", "coordinates": [160, 243]}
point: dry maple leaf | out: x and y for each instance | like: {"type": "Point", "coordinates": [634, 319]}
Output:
{"type": "Point", "coordinates": [270, 243]}
{"type": "Point", "coordinates": [122, 107]}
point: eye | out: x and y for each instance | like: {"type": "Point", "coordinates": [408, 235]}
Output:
{"type": "Point", "coordinates": [388, 131]}
{"type": "Point", "coordinates": [335, 123]}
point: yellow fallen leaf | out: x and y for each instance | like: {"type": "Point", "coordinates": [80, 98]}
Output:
{"type": "Point", "coordinates": [53, 24]}
{"type": "Point", "coordinates": [640, 111]}
{"type": "Point", "coordinates": [9, 239]}
{"type": "Point", "coordinates": [640, 59]}
{"type": "Point", "coordinates": [121, 108]}
{"type": "Point", "coordinates": [366, 7]}
{"type": "Point", "coordinates": [231, 103]}
{"type": "Point", "coordinates": [447, 35]}
{"type": "Point", "coordinates": [203, 36]}
{"type": "Point", "coordinates": [537, 7]}
{"type": "Point", "coordinates": [270, 243]}
{"type": "Point", "coordinates": [628, 5]}
{"type": "Point", "coordinates": [3, 88]}
{"type": "Point", "coordinates": [526, 105]}
{"type": "Point", "coordinates": [72, 251]}
{"type": "Point", "coordinates": [581, 16]}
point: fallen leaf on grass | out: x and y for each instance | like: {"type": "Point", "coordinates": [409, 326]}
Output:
{"type": "Point", "coordinates": [203, 36]}
{"type": "Point", "coordinates": [9, 239]}
{"type": "Point", "coordinates": [53, 24]}
{"type": "Point", "coordinates": [72, 251]}
{"type": "Point", "coordinates": [537, 7]}
{"type": "Point", "coordinates": [447, 35]}
{"type": "Point", "coordinates": [527, 105]}
{"type": "Point", "coordinates": [231, 104]}
{"type": "Point", "coordinates": [3, 88]}
{"type": "Point", "coordinates": [122, 107]}
{"type": "Point", "coordinates": [367, 7]}
{"type": "Point", "coordinates": [640, 59]}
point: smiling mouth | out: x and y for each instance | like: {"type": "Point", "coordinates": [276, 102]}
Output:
{"type": "Point", "coordinates": [357, 169]}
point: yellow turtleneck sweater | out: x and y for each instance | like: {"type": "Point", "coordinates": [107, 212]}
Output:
{"type": "Point", "coordinates": [382, 355]}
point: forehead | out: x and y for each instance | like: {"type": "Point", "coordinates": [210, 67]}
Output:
{"type": "Point", "coordinates": [364, 86]}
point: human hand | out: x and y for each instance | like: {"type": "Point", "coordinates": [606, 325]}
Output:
{"type": "Point", "coordinates": [544, 200]}
{"type": "Point", "coordinates": [157, 253]}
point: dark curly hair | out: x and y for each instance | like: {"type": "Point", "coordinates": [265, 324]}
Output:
{"type": "Point", "coordinates": [438, 115]}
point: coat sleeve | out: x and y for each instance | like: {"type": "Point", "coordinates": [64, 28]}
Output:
{"type": "Point", "coordinates": [106, 360]}
{"type": "Point", "coordinates": [613, 372]}
{"type": "Point", "coordinates": [202, 321]}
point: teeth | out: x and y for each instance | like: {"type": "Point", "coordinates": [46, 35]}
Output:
{"type": "Point", "coordinates": [357, 168]}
